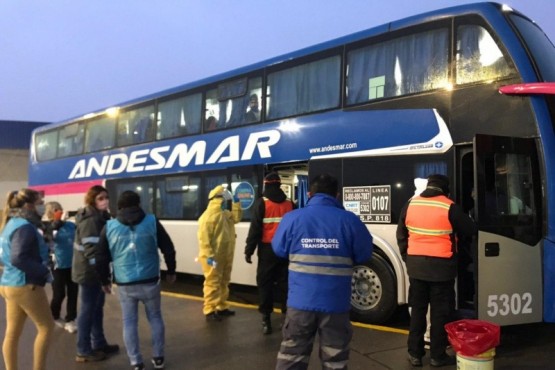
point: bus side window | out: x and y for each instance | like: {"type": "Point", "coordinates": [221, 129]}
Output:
{"type": "Point", "coordinates": [478, 56]}
{"type": "Point", "coordinates": [212, 113]}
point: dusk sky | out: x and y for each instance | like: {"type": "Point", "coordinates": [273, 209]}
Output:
{"type": "Point", "coordinates": [64, 58]}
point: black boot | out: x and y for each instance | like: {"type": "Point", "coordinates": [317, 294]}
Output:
{"type": "Point", "coordinates": [266, 324]}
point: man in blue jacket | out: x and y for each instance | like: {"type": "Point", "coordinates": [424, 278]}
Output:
{"type": "Point", "coordinates": [322, 242]}
{"type": "Point", "coordinates": [131, 242]}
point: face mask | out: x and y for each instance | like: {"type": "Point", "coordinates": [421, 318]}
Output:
{"type": "Point", "coordinates": [226, 205]}
{"type": "Point", "coordinates": [40, 209]}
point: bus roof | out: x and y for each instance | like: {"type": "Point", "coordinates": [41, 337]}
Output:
{"type": "Point", "coordinates": [485, 9]}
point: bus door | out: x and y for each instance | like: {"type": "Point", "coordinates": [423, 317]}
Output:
{"type": "Point", "coordinates": [508, 210]}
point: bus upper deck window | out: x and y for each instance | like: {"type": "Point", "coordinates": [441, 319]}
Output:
{"type": "Point", "coordinates": [136, 126]}
{"type": "Point", "coordinates": [179, 117]}
{"type": "Point", "coordinates": [404, 65]}
{"type": "Point", "coordinates": [478, 56]}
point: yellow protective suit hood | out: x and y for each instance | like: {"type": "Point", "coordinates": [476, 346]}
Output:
{"type": "Point", "coordinates": [218, 190]}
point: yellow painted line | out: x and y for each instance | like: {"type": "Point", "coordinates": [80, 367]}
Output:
{"type": "Point", "coordinates": [380, 328]}
{"type": "Point", "coordinates": [251, 306]}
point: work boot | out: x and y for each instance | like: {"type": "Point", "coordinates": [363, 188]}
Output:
{"type": "Point", "coordinates": [266, 324]}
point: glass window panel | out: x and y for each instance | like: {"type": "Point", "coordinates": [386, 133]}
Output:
{"type": "Point", "coordinates": [179, 117]}
{"type": "Point", "coordinates": [397, 67]}
{"type": "Point", "coordinates": [538, 43]}
{"type": "Point", "coordinates": [478, 56]}
{"type": "Point", "coordinates": [179, 198]}
{"type": "Point", "coordinates": [142, 187]}
{"type": "Point", "coordinates": [136, 126]}
{"type": "Point", "coordinates": [514, 191]}
{"type": "Point", "coordinates": [211, 181]}
{"type": "Point", "coordinates": [236, 111]}
{"type": "Point", "coordinates": [70, 141]}
{"type": "Point", "coordinates": [101, 134]}
{"type": "Point", "coordinates": [232, 89]}
{"type": "Point", "coordinates": [212, 114]}
{"type": "Point", "coordinates": [46, 144]}
{"type": "Point", "coordinates": [306, 88]}
{"type": "Point", "coordinates": [252, 109]}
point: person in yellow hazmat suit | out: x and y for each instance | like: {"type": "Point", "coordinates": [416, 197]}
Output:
{"type": "Point", "coordinates": [216, 236]}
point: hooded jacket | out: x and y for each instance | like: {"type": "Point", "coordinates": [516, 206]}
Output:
{"type": "Point", "coordinates": [130, 220]}
{"type": "Point", "coordinates": [89, 223]}
{"type": "Point", "coordinates": [272, 193]}
{"type": "Point", "coordinates": [216, 232]}
{"type": "Point", "coordinates": [322, 242]}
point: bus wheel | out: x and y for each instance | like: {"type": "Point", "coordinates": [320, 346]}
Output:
{"type": "Point", "coordinates": [373, 294]}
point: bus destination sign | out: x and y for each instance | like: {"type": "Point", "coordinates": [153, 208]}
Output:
{"type": "Point", "coordinates": [370, 203]}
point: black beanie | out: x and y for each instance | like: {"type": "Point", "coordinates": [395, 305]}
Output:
{"type": "Point", "coordinates": [272, 178]}
{"type": "Point", "coordinates": [439, 181]}
{"type": "Point", "coordinates": [128, 199]}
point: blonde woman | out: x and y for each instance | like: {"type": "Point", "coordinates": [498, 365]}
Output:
{"type": "Point", "coordinates": [24, 254]}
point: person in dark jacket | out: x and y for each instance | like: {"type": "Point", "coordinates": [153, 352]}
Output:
{"type": "Point", "coordinates": [271, 271]}
{"type": "Point", "coordinates": [429, 227]}
{"type": "Point", "coordinates": [24, 256]}
{"type": "Point", "coordinates": [131, 242]}
{"type": "Point", "coordinates": [322, 242]}
{"type": "Point", "coordinates": [89, 221]}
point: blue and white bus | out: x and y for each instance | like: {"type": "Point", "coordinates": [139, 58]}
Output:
{"type": "Point", "coordinates": [379, 109]}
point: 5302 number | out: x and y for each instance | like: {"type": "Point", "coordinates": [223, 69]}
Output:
{"type": "Point", "coordinates": [514, 304]}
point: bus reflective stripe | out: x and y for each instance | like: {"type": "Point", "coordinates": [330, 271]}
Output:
{"type": "Point", "coordinates": [422, 231]}
{"type": "Point", "coordinates": [338, 260]}
{"type": "Point", "coordinates": [90, 239]}
{"type": "Point", "coordinates": [270, 220]}
{"type": "Point", "coordinates": [321, 270]}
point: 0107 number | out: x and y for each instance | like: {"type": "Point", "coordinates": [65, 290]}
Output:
{"type": "Point", "coordinates": [505, 304]}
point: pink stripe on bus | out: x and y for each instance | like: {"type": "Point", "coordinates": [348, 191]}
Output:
{"type": "Point", "coordinates": [67, 188]}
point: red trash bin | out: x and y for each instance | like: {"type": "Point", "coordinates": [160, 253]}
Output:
{"type": "Point", "coordinates": [474, 341]}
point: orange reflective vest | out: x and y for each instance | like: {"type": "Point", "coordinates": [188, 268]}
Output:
{"type": "Point", "coordinates": [429, 228]}
{"type": "Point", "coordinates": [273, 212]}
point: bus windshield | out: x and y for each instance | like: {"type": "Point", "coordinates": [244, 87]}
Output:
{"type": "Point", "coordinates": [540, 47]}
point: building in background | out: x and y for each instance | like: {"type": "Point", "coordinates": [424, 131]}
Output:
{"type": "Point", "coordinates": [14, 155]}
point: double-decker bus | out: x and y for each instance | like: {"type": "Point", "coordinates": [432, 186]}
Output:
{"type": "Point", "coordinates": [379, 109]}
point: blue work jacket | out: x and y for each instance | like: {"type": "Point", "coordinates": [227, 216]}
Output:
{"type": "Point", "coordinates": [322, 242]}
{"type": "Point", "coordinates": [24, 254]}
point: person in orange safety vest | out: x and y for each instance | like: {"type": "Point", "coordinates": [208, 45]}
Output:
{"type": "Point", "coordinates": [271, 271]}
{"type": "Point", "coordinates": [430, 226]}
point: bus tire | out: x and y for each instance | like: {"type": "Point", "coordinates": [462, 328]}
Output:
{"type": "Point", "coordinates": [374, 291]}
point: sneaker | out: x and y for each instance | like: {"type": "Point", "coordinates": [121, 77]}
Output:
{"type": "Point", "coordinates": [109, 349]}
{"type": "Point", "coordinates": [213, 316]}
{"type": "Point", "coordinates": [138, 367]}
{"type": "Point", "coordinates": [415, 361]}
{"type": "Point", "coordinates": [71, 327]}
{"type": "Point", "coordinates": [60, 323]}
{"type": "Point", "coordinates": [158, 362]}
{"type": "Point", "coordinates": [226, 312]}
{"type": "Point", "coordinates": [93, 357]}
{"type": "Point", "coordinates": [444, 360]}
{"type": "Point", "coordinates": [266, 325]}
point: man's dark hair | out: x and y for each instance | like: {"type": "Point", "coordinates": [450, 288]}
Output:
{"type": "Point", "coordinates": [128, 199]}
{"type": "Point", "coordinates": [324, 183]}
